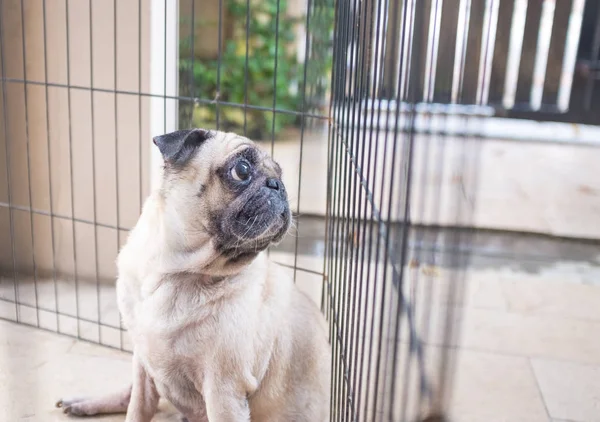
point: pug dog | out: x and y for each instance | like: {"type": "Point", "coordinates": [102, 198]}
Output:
{"type": "Point", "coordinates": [217, 329]}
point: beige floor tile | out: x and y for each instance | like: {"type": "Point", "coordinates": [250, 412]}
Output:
{"type": "Point", "coordinates": [490, 387]}
{"type": "Point", "coordinates": [532, 335]}
{"type": "Point", "coordinates": [571, 391]}
{"type": "Point", "coordinates": [37, 368]}
{"type": "Point", "coordinates": [546, 336]}
{"type": "Point", "coordinates": [546, 297]}
{"type": "Point", "coordinates": [484, 290]}
{"type": "Point", "coordinates": [486, 387]}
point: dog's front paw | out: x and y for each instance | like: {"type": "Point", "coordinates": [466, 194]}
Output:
{"type": "Point", "coordinates": [77, 406]}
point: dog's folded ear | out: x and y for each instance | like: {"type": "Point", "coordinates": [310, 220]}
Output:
{"type": "Point", "coordinates": [178, 147]}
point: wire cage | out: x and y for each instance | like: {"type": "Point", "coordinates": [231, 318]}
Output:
{"type": "Point", "coordinates": [413, 85]}
{"type": "Point", "coordinates": [374, 108]}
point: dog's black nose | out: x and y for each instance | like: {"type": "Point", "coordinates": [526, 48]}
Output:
{"type": "Point", "coordinates": [273, 184]}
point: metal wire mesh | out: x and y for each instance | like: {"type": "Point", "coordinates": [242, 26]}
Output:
{"type": "Point", "coordinates": [412, 84]}
{"type": "Point", "coordinates": [81, 94]}
{"type": "Point", "coordinates": [375, 278]}
{"type": "Point", "coordinates": [85, 85]}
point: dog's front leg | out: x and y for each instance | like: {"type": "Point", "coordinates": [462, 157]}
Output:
{"type": "Point", "coordinates": [144, 397]}
{"type": "Point", "coordinates": [225, 401]}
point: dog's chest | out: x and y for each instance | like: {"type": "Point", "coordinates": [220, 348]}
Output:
{"type": "Point", "coordinates": [172, 333]}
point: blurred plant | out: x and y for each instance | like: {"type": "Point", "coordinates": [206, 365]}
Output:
{"type": "Point", "coordinates": [271, 50]}
{"type": "Point", "coordinates": [257, 87]}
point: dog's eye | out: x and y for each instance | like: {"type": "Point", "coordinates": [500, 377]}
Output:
{"type": "Point", "coordinates": [241, 171]}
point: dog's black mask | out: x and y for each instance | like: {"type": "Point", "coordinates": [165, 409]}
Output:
{"type": "Point", "coordinates": [260, 214]}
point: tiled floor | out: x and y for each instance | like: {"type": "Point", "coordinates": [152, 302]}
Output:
{"type": "Point", "coordinates": [529, 351]}
{"type": "Point", "coordinates": [37, 368]}
{"type": "Point", "coordinates": [529, 348]}
{"type": "Point", "coordinates": [536, 343]}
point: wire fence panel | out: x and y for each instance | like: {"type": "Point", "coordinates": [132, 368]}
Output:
{"type": "Point", "coordinates": [73, 124]}
{"type": "Point", "coordinates": [86, 84]}
{"type": "Point", "coordinates": [406, 75]}
{"type": "Point", "coordinates": [392, 309]}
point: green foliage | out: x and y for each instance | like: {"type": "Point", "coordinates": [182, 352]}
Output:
{"type": "Point", "coordinates": [255, 49]}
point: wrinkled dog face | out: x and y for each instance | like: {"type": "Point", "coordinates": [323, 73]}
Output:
{"type": "Point", "coordinates": [259, 213]}
{"type": "Point", "coordinates": [222, 186]}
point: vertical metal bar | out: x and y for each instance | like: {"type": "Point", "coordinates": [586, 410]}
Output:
{"type": "Point", "coordinates": [433, 41]}
{"type": "Point", "coordinates": [192, 67]}
{"type": "Point", "coordinates": [339, 36]}
{"type": "Point", "coordinates": [71, 158]}
{"type": "Point", "coordinates": [275, 79]}
{"type": "Point", "coordinates": [94, 189]}
{"type": "Point", "coordinates": [328, 252]}
{"type": "Point", "coordinates": [387, 81]}
{"type": "Point", "coordinates": [140, 175]}
{"type": "Point", "coordinates": [165, 73]}
{"type": "Point", "coordinates": [333, 160]}
{"type": "Point", "coordinates": [246, 71]}
{"type": "Point", "coordinates": [473, 45]}
{"type": "Point", "coordinates": [347, 140]}
{"type": "Point", "coordinates": [334, 236]}
{"type": "Point", "coordinates": [464, 17]}
{"type": "Point", "coordinates": [529, 50]}
{"type": "Point", "coordinates": [591, 77]}
{"type": "Point", "coordinates": [140, 172]}
{"type": "Point", "coordinates": [501, 52]}
{"type": "Point", "coordinates": [302, 129]}
{"type": "Point", "coordinates": [325, 284]}
{"type": "Point", "coordinates": [117, 199]}
{"type": "Point", "coordinates": [379, 50]}
{"type": "Point", "coordinates": [8, 171]}
{"type": "Point", "coordinates": [570, 55]}
{"type": "Point", "coordinates": [219, 59]}
{"type": "Point", "coordinates": [541, 57]}
{"type": "Point", "coordinates": [274, 88]}
{"type": "Point", "coordinates": [27, 146]}
{"type": "Point", "coordinates": [344, 207]}
{"type": "Point", "coordinates": [490, 22]}
{"type": "Point", "coordinates": [514, 52]}
{"type": "Point", "coordinates": [405, 59]}
{"type": "Point", "coordinates": [48, 145]}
